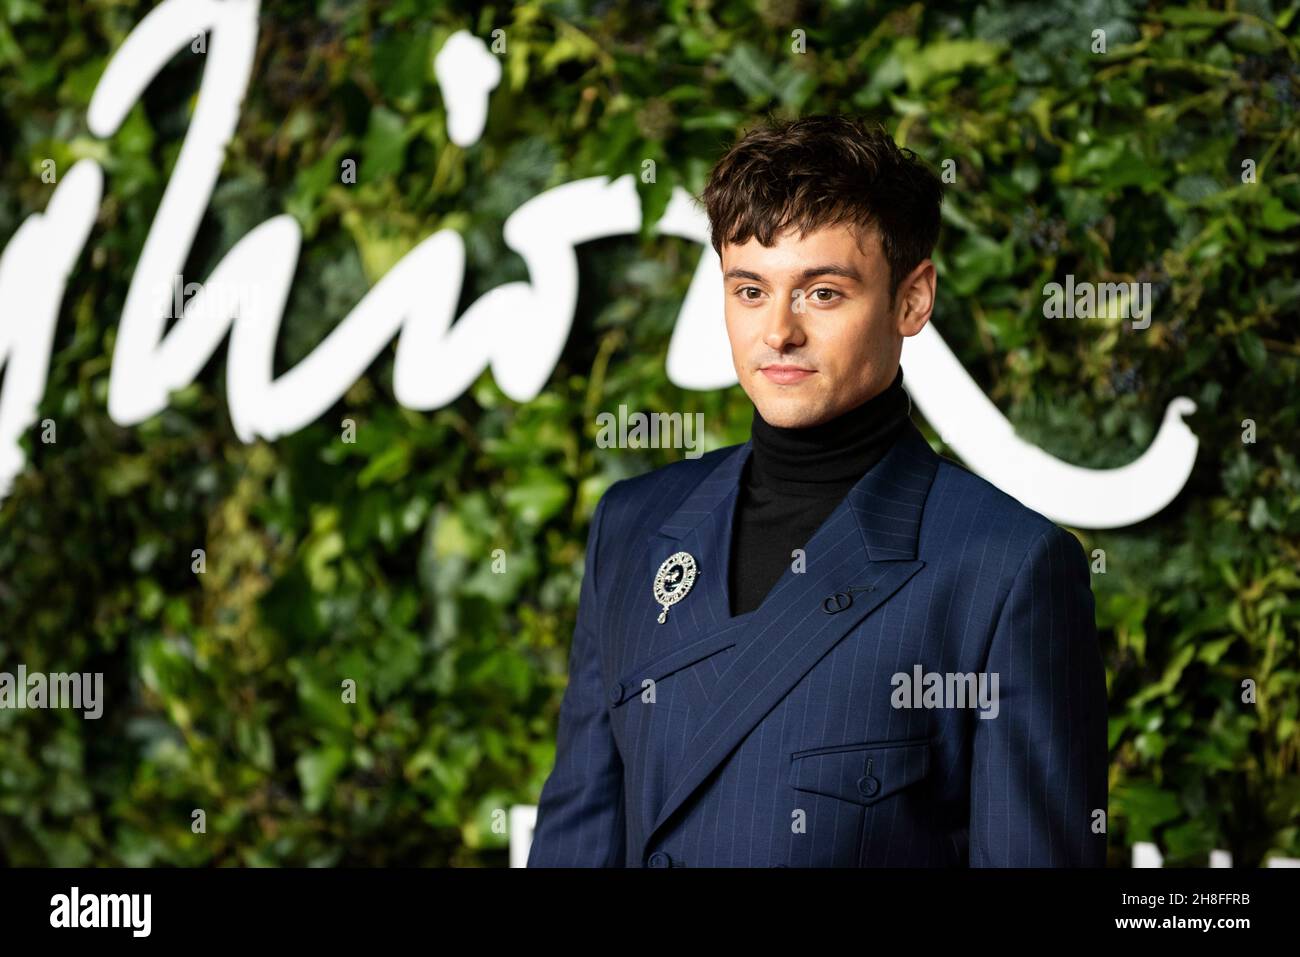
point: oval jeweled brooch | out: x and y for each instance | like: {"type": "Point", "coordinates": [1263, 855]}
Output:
{"type": "Point", "coordinates": [673, 580]}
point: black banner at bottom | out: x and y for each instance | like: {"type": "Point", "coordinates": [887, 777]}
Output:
{"type": "Point", "coordinates": [218, 906]}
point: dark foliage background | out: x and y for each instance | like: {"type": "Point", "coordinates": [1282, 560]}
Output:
{"type": "Point", "coordinates": [372, 561]}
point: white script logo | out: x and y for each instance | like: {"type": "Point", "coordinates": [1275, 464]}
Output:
{"type": "Point", "coordinates": [518, 329]}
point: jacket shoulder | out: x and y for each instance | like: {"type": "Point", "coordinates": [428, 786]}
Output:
{"type": "Point", "coordinates": [647, 499]}
{"type": "Point", "coordinates": [974, 507]}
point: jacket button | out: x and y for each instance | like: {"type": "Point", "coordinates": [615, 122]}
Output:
{"type": "Point", "coordinates": [616, 692]}
{"type": "Point", "coordinates": [868, 785]}
{"type": "Point", "coordinates": [659, 859]}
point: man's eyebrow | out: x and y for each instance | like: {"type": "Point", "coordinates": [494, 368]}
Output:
{"type": "Point", "coordinates": [829, 269]}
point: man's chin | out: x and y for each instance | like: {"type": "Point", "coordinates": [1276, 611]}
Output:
{"type": "Point", "coordinates": [790, 412]}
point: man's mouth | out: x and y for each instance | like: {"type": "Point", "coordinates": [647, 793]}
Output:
{"type": "Point", "coordinates": [786, 375]}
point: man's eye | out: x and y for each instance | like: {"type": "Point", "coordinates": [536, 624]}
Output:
{"type": "Point", "coordinates": [833, 294]}
{"type": "Point", "coordinates": [744, 289]}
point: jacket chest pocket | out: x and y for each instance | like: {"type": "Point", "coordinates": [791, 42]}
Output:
{"type": "Point", "coordinates": [862, 773]}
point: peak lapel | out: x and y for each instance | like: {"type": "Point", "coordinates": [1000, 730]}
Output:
{"type": "Point", "coordinates": [699, 625]}
{"type": "Point", "coordinates": [701, 525]}
{"type": "Point", "coordinates": [860, 556]}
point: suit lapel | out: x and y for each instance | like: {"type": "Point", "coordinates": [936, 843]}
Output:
{"type": "Point", "coordinates": [860, 556]}
{"type": "Point", "coordinates": [700, 624]}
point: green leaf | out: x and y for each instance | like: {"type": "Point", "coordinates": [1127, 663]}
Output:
{"type": "Point", "coordinates": [751, 72]}
{"type": "Point", "coordinates": [1251, 349]}
{"type": "Point", "coordinates": [317, 771]}
{"type": "Point", "coordinates": [537, 498]}
{"type": "Point", "coordinates": [947, 56]}
{"type": "Point", "coordinates": [384, 146]}
{"type": "Point", "coordinates": [1275, 217]}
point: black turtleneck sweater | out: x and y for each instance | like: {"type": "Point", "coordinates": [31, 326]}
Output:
{"type": "Point", "coordinates": [794, 479]}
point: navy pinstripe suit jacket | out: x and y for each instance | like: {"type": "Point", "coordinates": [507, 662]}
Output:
{"type": "Point", "coordinates": [771, 738]}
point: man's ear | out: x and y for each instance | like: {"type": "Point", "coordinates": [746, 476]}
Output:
{"type": "Point", "coordinates": [915, 299]}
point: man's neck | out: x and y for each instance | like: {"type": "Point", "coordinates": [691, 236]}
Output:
{"type": "Point", "coordinates": [831, 456]}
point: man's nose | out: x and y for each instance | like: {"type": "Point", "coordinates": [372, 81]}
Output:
{"type": "Point", "coordinates": [785, 322]}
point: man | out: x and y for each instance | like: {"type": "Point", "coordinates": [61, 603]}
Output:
{"type": "Point", "coordinates": [828, 646]}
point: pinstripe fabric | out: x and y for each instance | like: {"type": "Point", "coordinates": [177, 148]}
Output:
{"type": "Point", "coordinates": [770, 738]}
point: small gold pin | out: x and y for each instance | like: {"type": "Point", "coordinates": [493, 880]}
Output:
{"type": "Point", "coordinates": [673, 580]}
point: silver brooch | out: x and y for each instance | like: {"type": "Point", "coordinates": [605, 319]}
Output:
{"type": "Point", "coordinates": [673, 580]}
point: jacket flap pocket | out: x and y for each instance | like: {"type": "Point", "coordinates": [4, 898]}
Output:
{"type": "Point", "coordinates": [862, 773]}
{"type": "Point", "coordinates": [633, 681]}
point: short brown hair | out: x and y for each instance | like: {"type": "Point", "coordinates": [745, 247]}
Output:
{"type": "Point", "coordinates": [824, 170]}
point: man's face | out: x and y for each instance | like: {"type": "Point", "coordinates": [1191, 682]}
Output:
{"type": "Point", "coordinates": [811, 327]}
